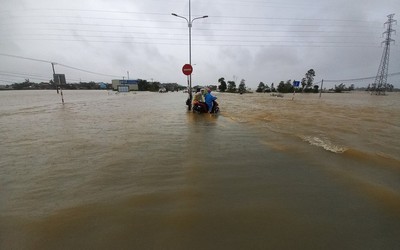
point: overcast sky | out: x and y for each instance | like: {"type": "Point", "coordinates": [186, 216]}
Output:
{"type": "Point", "coordinates": [255, 40]}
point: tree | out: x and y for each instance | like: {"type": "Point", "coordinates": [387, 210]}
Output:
{"type": "Point", "coordinates": [154, 86]}
{"type": "Point", "coordinates": [285, 87]}
{"type": "Point", "coordinates": [288, 86]}
{"type": "Point", "coordinates": [310, 77]}
{"type": "Point", "coordinates": [267, 88]}
{"type": "Point", "coordinates": [340, 88]}
{"type": "Point", "coordinates": [273, 88]}
{"type": "Point", "coordinates": [88, 85]}
{"type": "Point", "coordinates": [222, 84]}
{"type": "Point", "coordinates": [231, 86]}
{"type": "Point", "coordinates": [303, 83]}
{"type": "Point", "coordinates": [281, 87]}
{"type": "Point", "coordinates": [24, 85]}
{"type": "Point", "coordinates": [143, 85]}
{"type": "Point", "coordinates": [242, 86]}
{"type": "Point", "coordinates": [261, 87]}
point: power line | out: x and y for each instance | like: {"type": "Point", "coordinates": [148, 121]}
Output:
{"type": "Point", "coordinates": [360, 79]}
{"type": "Point", "coordinates": [35, 78]}
{"type": "Point", "coordinates": [266, 44]}
{"type": "Point", "coordinates": [26, 75]}
{"type": "Point", "coordinates": [221, 32]}
{"type": "Point", "coordinates": [58, 36]}
{"type": "Point", "coordinates": [25, 58]}
{"type": "Point", "coordinates": [63, 65]}
{"type": "Point", "coordinates": [298, 33]}
{"type": "Point", "coordinates": [86, 71]}
{"type": "Point", "coordinates": [292, 18]}
{"type": "Point", "coordinates": [215, 16]}
{"type": "Point", "coordinates": [168, 21]}
{"type": "Point", "coordinates": [179, 34]}
{"type": "Point", "coordinates": [18, 74]}
{"type": "Point", "coordinates": [103, 11]}
{"type": "Point", "coordinates": [6, 81]}
{"type": "Point", "coordinates": [312, 33]}
{"type": "Point", "coordinates": [213, 29]}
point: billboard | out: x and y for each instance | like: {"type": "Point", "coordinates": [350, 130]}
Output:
{"type": "Point", "coordinates": [59, 79]}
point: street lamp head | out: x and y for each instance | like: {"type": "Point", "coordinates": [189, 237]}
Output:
{"type": "Point", "coordinates": [205, 16]}
{"type": "Point", "coordinates": [174, 14]}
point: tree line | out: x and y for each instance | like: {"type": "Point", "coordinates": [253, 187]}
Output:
{"type": "Point", "coordinates": [283, 87]}
{"type": "Point", "coordinates": [230, 86]}
{"type": "Point", "coordinates": [27, 84]}
{"type": "Point", "coordinates": [306, 85]}
{"type": "Point", "coordinates": [143, 85]}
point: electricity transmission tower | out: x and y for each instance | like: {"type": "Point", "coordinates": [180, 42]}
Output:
{"type": "Point", "coordinates": [379, 86]}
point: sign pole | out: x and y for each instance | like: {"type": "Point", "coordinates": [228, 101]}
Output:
{"type": "Point", "coordinates": [57, 81]}
{"type": "Point", "coordinates": [187, 69]}
{"type": "Point", "coordinates": [320, 91]}
{"type": "Point", "coordinates": [190, 56]}
{"type": "Point", "coordinates": [54, 73]}
{"type": "Point", "coordinates": [190, 93]}
{"type": "Point", "coordinates": [62, 96]}
{"type": "Point", "coordinates": [295, 84]}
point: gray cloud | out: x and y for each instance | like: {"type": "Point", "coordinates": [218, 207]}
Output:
{"type": "Point", "coordinates": [254, 40]}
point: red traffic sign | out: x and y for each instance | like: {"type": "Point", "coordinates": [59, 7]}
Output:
{"type": "Point", "coordinates": [187, 69]}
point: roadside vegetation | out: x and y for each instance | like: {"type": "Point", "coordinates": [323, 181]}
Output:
{"type": "Point", "coordinates": [306, 85]}
{"type": "Point", "coordinates": [28, 85]}
{"type": "Point", "coordinates": [143, 85]}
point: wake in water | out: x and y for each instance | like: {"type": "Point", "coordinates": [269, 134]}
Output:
{"type": "Point", "coordinates": [324, 143]}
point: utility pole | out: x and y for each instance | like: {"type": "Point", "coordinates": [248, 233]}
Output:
{"type": "Point", "coordinates": [58, 84]}
{"type": "Point", "coordinates": [54, 73]}
{"type": "Point", "coordinates": [320, 91]}
{"type": "Point", "coordinates": [380, 84]}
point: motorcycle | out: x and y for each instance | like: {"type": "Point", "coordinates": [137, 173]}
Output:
{"type": "Point", "coordinates": [201, 107]}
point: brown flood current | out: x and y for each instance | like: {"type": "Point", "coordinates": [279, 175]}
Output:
{"type": "Point", "coordinates": [137, 171]}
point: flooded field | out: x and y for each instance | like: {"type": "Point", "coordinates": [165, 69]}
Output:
{"type": "Point", "coordinates": [137, 171]}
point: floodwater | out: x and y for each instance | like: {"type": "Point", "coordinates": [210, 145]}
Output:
{"type": "Point", "coordinates": [137, 171]}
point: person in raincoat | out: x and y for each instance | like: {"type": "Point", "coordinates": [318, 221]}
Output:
{"type": "Point", "coordinates": [209, 98]}
{"type": "Point", "coordinates": [198, 99]}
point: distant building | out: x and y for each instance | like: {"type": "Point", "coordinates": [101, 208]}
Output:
{"type": "Point", "coordinates": [123, 88]}
{"type": "Point", "coordinates": [102, 85]}
{"type": "Point", "coordinates": [132, 84]}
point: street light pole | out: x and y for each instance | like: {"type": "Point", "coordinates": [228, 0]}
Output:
{"type": "Point", "coordinates": [189, 22]}
{"type": "Point", "coordinates": [190, 41]}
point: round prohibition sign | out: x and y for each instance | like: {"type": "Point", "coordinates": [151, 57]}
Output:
{"type": "Point", "coordinates": [187, 69]}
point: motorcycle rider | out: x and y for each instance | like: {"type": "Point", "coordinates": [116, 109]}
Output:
{"type": "Point", "coordinates": [198, 99]}
{"type": "Point", "coordinates": [210, 99]}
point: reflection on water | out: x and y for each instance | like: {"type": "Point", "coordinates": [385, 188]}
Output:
{"type": "Point", "coordinates": [137, 171]}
